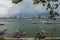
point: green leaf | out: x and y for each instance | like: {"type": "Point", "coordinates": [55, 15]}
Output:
{"type": "Point", "coordinates": [48, 5]}
{"type": "Point", "coordinates": [59, 3]}
{"type": "Point", "coordinates": [48, 0]}
{"type": "Point", "coordinates": [54, 18]}
{"type": "Point", "coordinates": [56, 13]}
{"type": "Point", "coordinates": [35, 2]}
{"type": "Point", "coordinates": [55, 0]}
{"type": "Point", "coordinates": [56, 6]}
{"type": "Point", "coordinates": [43, 4]}
{"type": "Point", "coordinates": [16, 1]}
{"type": "Point", "coordinates": [2, 38]}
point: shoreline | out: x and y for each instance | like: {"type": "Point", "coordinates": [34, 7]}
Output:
{"type": "Point", "coordinates": [48, 38]}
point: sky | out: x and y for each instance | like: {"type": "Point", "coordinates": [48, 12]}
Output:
{"type": "Point", "coordinates": [4, 6]}
{"type": "Point", "coordinates": [8, 8]}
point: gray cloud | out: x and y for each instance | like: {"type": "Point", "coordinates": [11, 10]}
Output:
{"type": "Point", "coordinates": [25, 7]}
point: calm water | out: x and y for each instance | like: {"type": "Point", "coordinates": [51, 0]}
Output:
{"type": "Point", "coordinates": [26, 25]}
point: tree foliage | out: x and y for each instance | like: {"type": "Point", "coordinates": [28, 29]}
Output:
{"type": "Point", "coordinates": [2, 38]}
{"type": "Point", "coordinates": [16, 1]}
{"type": "Point", "coordinates": [40, 33]}
{"type": "Point", "coordinates": [50, 5]}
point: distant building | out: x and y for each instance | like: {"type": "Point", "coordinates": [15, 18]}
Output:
{"type": "Point", "coordinates": [42, 17]}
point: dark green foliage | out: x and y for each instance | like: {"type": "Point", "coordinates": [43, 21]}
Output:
{"type": "Point", "coordinates": [48, 0]}
{"type": "Point", "coordinates": [16, 1]}
{"type": "Point", "coordinates": [52, 15]}
{"type": "Point", "coordinates": [2, 38]}
{"type": "Point", "coordinates": [50, 7]}
{"type": "Point", "coordinates": [56, 6]}
{"type": "Point", "coordinates": [55, 0]}
{"type": "Point", "coordinates": [56, 14]}
{"type": "Point", "coordinates": [39, 33]}
{"type": "Point", "coordinates": [38, 36]}
{"type": "Point", "coordinates": [38, 1]}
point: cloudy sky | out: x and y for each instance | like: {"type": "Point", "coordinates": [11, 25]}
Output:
{"type": "Point", "coordinates": [4, 5]}
{"type": "Point", "coordinates": [7, 8]}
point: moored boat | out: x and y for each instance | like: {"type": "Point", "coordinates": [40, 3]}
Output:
{"type": "Point", "coordinates": [1, 24]}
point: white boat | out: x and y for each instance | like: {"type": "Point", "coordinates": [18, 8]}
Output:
{"type": "Point", "coordinates": [50, 22]}
{"type": "Point", "coordinates": [43, 21]}
{"type": "Point", "coordinates": [33, 22]}
{"type": "Point", "coordinates": [58, 25]}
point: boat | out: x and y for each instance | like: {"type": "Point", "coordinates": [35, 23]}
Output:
{"type": "Point", "coordinates": [58, 25]}
{"type": "Point", "coordinates": [34, 22]}
{"type": "Point", "coordinates": [50, 22]}
{"type": "Point", "coordinates": [43, 21]}
{"type": "Point", "coordinates": [1, 24]}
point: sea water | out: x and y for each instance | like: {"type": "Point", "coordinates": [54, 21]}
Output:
{"type": "Point", "coordinates": [28, 26]}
